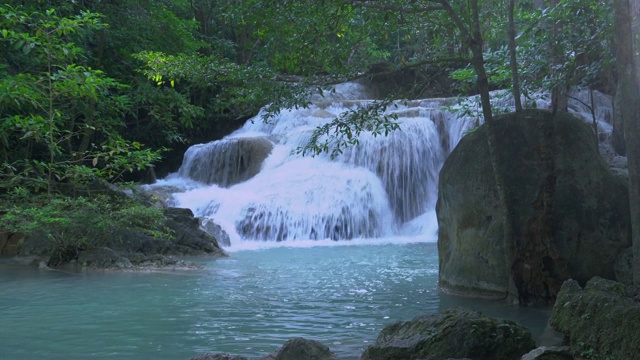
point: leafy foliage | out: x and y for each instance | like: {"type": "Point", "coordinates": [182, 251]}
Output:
{"type": "Point", "coordinates": [53, 109]}
{"type": "Point", "coordinates": [344, 131]}
{"type": "Point", "coordinates": [58, 218]}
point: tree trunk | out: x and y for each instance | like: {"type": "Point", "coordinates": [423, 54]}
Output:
{"type": "Point", "coordinates": [475, 44]}
{"type": "Point", "coordinates": [617, 135]}
{"type": "Point", "coordinates": [560, 90]}
{"type": "Point", "coordinates": [514, 60]}
{"type": "Point", "coordinates": [628, 64]}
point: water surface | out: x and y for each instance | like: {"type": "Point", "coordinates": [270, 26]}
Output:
{"type": "Point", "coordinates": [247, 304]}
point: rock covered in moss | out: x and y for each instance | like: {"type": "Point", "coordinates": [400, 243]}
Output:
{"type": "Point", "coordinates": [188, 239]}
{"type": "Point", "coordinates": [600, 321]}
{"type": "Point", "coordinates": [588, 210]}
{"type": "Point", "coordinates": [456, 333]}
{"type": "Point", "coordinates": [301, 348]}
{"type": "Point", "coordinates": [294, 349]}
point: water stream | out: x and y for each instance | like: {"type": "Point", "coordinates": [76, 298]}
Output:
{"type": "Point", "coordinates": [329, 249]}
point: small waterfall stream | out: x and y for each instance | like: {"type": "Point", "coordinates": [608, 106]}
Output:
{"type": "Point", "coordinates": [257, 188]}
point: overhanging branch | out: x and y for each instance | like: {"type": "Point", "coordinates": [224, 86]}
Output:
{"type": "Point", "coordinates": [408, 9]}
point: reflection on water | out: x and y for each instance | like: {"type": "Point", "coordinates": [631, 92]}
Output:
{"type": "Point", "coordinates": [249, 304]}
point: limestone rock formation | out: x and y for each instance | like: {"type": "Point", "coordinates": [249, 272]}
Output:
{"type": "Point", "coordinates": [215, 230]}
{"type": "Point", "coordinates": [456, 333]}
{"type": "Point", "coordinates": [570, 213]}
{"type": "Point", "coordinates": [599, 321]}
{"type": "Point", "coordinates": [226, 162]}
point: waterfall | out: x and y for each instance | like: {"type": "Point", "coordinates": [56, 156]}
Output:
{"type": "Point", "coordinates": [256, 187]}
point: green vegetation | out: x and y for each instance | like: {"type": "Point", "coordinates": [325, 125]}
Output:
{"type": "Point", "coordinates": [93, 91]}
{"type": "Point", "coordinates": [72, 224]}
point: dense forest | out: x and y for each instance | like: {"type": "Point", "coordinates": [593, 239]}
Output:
{"type": "Point", "coordinates": [98, 91]}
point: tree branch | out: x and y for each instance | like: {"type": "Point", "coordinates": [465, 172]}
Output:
{"type": "Point", "coordinates": [408, 10]}
{"type": "Point", "coordinates": [333, 81]}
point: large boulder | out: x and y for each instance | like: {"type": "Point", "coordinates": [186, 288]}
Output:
{"type": "Point", "coordinates": [456, 333]}
{"type": "Point", "coordinates": [600, 321]}
{"type": "Point", "coordinates": [226, 162]}
{"type": "Point", "coordinates": [188, 238]}
{"type": "Point", "coordinates": [570, 213]}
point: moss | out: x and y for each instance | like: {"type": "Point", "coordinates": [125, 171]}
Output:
{"type": "Point", "coordinates": [599, 321]}
{"type": "Point", "coordinates": [455, 333]}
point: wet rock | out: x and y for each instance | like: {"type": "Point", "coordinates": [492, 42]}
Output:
{"type": "Point", "coordinates": [599, 321]}
{"type": "Point", "coordinates": [294, 349]}
{"type": "Point", "coordinates": [103, 258]}
{"type": "Point", "coordinates": [160, 262]}
{"type": "Point", "coordinates": [456, 333]}
{"type": "Point", "coordinates": [301, 348]}
{"type": "Point", "coordinates": [549, 353]}
{"type": "Point", "coordinates": [216, 231]}
{"type": "Point", "coordinates": [589, 209]}
{"type": "Point", "coordinates": [188, 238]}
{"type": "Point", "coordinates": [226, 162]}
{"type": "Point", "coordinates": [218, 357]}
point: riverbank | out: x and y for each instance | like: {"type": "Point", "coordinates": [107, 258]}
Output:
{"type": "Point", "coordinates": [114, 232]}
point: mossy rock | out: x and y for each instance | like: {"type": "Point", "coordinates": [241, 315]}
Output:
{"type": "Point", "coordinates": [600, 321]}
{"type": "Point", "coordinates": [456, 333]}
{"type": "Point", "coordinates": [585, 229]}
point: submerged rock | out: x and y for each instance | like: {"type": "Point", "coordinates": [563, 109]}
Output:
{"type": "Point", "coordinates": [552, 163]}
{"type": "Point", "coordinates": [218, 357]}
{"type": "Point", "coordinates": [600, 321]}
{"type": "Point", "coordinates": [456, 333]}
{"type": "Point", "coordinates": [294, 349]}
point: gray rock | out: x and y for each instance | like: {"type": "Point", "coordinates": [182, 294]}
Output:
{"type": "Point", "coordinates": [623, 267]}
{"type": "Point", "coordinates": [160, 262]}
{"type": "Point", "coordinates": [599, 321]}
{"type": "Point", "coordinates": [456, 333]}
{"type": "Point", "coordinates": [218, 357]}
{"type": "Point", "coordinates": [590, 209]}
{"type": "Point", "coordinates": [103, 258]}
{"type": "Point", "coordinates": [226, 162]}
{"type": "Point", "coordinates": [188, 238]}
{"type": "Point", "coordinates": [294, 349]}
{"type": "Point", "coordinates": [549, 353]}
{"type": "Point", "coordinates": [216, 231]}
{"type": "Point", "coordinates": [301, 348]}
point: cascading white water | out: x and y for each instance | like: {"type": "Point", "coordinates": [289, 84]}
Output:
{"type": "Point", "coordinates": [383, 186]}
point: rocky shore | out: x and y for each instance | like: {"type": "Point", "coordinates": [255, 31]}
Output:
{"type": "Point", "coordinates": [130, 252]}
